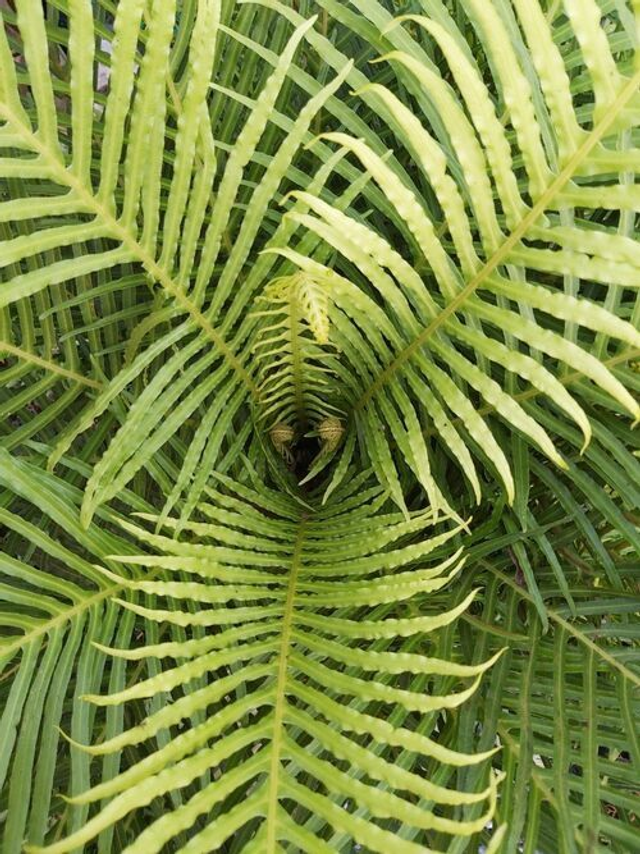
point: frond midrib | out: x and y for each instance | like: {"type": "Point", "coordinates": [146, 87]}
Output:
{"type": "Point", "coordinates": [25, 356]}
{"type": "Point", "coordinates": [581, 637]}
{"type": "Point", "coordinates": [296, 354]}
{"type": "Point", "coordinates": [67, 616]}
{"type": "Point", "coordinates": [51, 625]}
{"type": "Point", "coordinates": [273, 782]}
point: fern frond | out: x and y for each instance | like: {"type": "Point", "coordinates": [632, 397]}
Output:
{"type": "Point", "coordinates": [53, 602]}
{"type": "Point", "coordinates": [305, 613]}
{"type": "Point", "coordinates": [295, 363]}
{"type": "Point", "coordinates": [143, 225]}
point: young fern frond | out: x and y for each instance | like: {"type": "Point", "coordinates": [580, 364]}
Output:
{"type": "Point", "coordinates": [291, 349]}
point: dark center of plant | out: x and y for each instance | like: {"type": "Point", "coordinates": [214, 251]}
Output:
{"type": "Point", "coordinates": [305, 451]}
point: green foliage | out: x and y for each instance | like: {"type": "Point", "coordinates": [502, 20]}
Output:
{"type": "Point", "coordinates": [318, 493]}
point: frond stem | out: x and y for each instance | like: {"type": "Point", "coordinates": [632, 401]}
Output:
{"type": "Point", "coordinates": [49, 626]}
{"type": "Point", "coordinates": [280, 695]}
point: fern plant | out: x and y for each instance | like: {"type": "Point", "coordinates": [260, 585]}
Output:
{"type": "Point", "coordinates": [319, 327]}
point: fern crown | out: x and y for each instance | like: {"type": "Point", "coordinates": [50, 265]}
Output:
{"type": "Point", "coordinates": [319, 337]}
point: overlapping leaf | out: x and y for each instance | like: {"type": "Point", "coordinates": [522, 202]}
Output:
{"type": "Point", "coordinates": [458, 255]}
{"type": "Point", "coordinates": [498, 295]}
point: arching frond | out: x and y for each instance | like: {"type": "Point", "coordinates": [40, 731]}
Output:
{"type": "Point", "coordinates": [299, 655]}
{"type": "Point", "coordinates": [130, 219]}
{"type": "Point", "coordinates": [53, 602]}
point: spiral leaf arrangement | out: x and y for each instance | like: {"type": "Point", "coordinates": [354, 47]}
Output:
{"type": "Point", "coordinates": [319, 337]}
